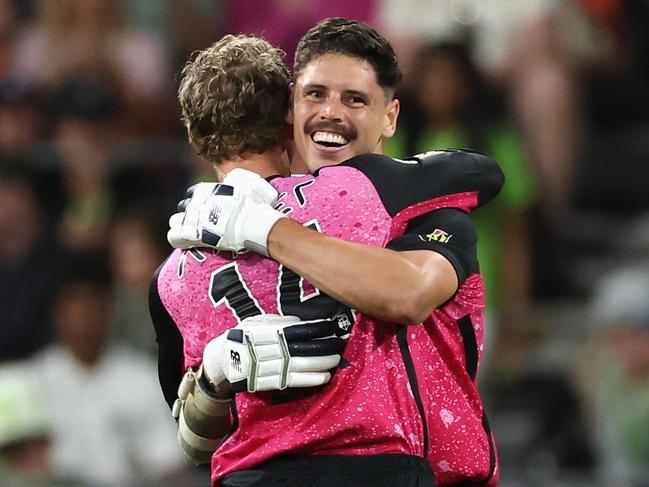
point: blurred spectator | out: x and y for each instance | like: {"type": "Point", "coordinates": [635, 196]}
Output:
{"type": "Point", "coordinates": [521, 46]}
{"type": "Point", "coordinates": [283, 22]}
{"type": "Point", "coordinates": [89, 38]}
{"type": "Point", "coordinates": [24, 426]}
{"type": "Point", "coordinates": [8, 27]}
{"type": "Point", "coordinates": [615, 377]}
{"type": "Point", "coordinates": [617, 103]}
{"type": "Point", "coordinates": [84, 137]}
{"type": "Point", "coordinates": [109, 424]}
{"type": "Point", "coordinates": [25, 431]}
{"type": "Point", "coordinates": [137, 245]}
{"type": "Point", "coordinates": [31, 261]}
{"type": "Point", "coordinates": [619, 70]}
{"type": "Point", "coordinates": [21, 119]}
{"type": "Point", "coordinates": [184, 26]}
{"type": "Point", "coordinates": [456, 111]}
{"type": "Point", "coordinates": [73, 37]}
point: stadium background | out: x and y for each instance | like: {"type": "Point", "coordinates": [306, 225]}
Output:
{"type": "Point", "coordinates": [93, 159]}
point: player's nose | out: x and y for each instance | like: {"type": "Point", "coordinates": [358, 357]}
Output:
{"type": "Point", "coordinates": [332, 110]}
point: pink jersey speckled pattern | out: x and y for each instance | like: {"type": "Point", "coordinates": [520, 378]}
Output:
{"type": "Point", "coordinates": [368, 407]}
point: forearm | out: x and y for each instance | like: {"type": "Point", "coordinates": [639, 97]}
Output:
{"type": "Point", "coordinates": [393, 286]}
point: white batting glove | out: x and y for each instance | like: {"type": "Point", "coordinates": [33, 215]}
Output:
{"type": "Point", "coordinates": [271, 352]}
{"type": "Point", "coordinates": [235, 215]}
{"type": "Point", "coordinates": [183, 226]}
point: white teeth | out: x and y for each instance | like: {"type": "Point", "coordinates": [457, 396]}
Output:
{"type": "Point", "coordinates": [330, 138]}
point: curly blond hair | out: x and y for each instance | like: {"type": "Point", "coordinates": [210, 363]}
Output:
{"type": "Point", "coordinates": [234, 98]}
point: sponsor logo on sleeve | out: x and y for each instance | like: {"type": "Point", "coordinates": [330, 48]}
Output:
{"type": "Point", "coordinates": [436, 235]}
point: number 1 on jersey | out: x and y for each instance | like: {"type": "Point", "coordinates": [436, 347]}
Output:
{"type": "Point", "coordinates": [227, 286]}
{"type": "Point", "coordinates": [294, 295]}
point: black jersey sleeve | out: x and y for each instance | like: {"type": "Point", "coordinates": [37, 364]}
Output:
{"type": "Point", "coordinates": [449, 232]}
{"type": "Point", "coordinates": [404, 182]}
{"type": "Point", "coordinates": [170, 344]}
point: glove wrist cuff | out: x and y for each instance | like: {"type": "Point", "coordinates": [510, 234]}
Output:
{"type": "Point", "coordinates": [259, 226]}
{"type": "Point", "coordinates": [220, 392]}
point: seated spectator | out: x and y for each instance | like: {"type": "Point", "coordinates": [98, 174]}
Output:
{"type": "Point", "coordinates": [615, 377]}
{"type": "Point", "coordinates": [31, 261]}
{"type": "Point", "coordinates": [109, 424]}
{"type": "Point", "coordinates": [84, 140]}
{"type": "Point", "coordinates": [24, 426]}
{"type": "Point", "coordinates": [137, 245]}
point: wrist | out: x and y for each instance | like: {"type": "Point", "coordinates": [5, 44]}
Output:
{"type": "Point", "coordinates": [220, 392]}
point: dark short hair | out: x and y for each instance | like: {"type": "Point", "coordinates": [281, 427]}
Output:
{"type": "Point", "coordinates": [339, 35]}
{"type": "Point", "coordinates": [234, 98]}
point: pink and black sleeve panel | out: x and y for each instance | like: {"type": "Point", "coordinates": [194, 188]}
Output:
{"type": "Point", "coordinates": [449, 232]}
{"type": "Point", "coordinates": [469, 178]}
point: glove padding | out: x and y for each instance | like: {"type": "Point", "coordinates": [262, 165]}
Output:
{"type": "Point", "coordinates": [235, 215]}
{"type": "Point", "coordinates": [271, 352]}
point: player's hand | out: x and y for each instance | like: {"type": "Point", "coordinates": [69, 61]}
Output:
{"type": "Point", "coordinates": [235, 215]}
{"type": "Point", "coordinates": [271, 352]}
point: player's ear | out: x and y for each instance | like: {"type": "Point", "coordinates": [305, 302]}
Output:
{"type": "Point", "coordinates": [289, 113]}
{"type": "Point", "coordinates": [391, 116]}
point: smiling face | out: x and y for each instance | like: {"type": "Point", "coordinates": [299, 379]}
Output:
{"type": "Point", "coordinates": [339, 110]}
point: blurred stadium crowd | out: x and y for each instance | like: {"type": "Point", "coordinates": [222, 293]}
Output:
{"type": "Point", "coordinates": [93, 159]}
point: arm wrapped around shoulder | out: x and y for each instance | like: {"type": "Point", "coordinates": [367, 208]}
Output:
{"type": "Point", "coordinates": [203, 417]}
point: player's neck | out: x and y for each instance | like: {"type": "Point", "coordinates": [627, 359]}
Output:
{"type": "Point", "coordinates": [266, 164]}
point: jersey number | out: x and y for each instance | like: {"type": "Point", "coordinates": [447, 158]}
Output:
{"type": "Point", "coordinates": [293, 294]}
{"type": "Point", "coordinates": [227, 286]}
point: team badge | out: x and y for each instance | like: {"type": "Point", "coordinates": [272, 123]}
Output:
{"type": "Point", "coordinates": [436, 235]}
{"type": "Point", "coordinates": [344, 323]}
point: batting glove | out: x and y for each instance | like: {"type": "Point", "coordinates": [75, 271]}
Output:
{"type": "Point", "coordinates": [271, 352]}
{"type": "Point", "coordinates": [235, 215]}
{"type": "Point", "coordinates": [183, 226]}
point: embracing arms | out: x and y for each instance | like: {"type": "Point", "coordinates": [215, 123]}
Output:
{"type": "Point", "coordinates": [399, 287]}
{"type": "Point", "coordinates": [401, 284]}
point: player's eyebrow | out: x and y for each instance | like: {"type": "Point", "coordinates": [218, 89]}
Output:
{"type": "Point", "coordinates": [361, 94]}
{"type": "Point", "coordinates": [314, 86]}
